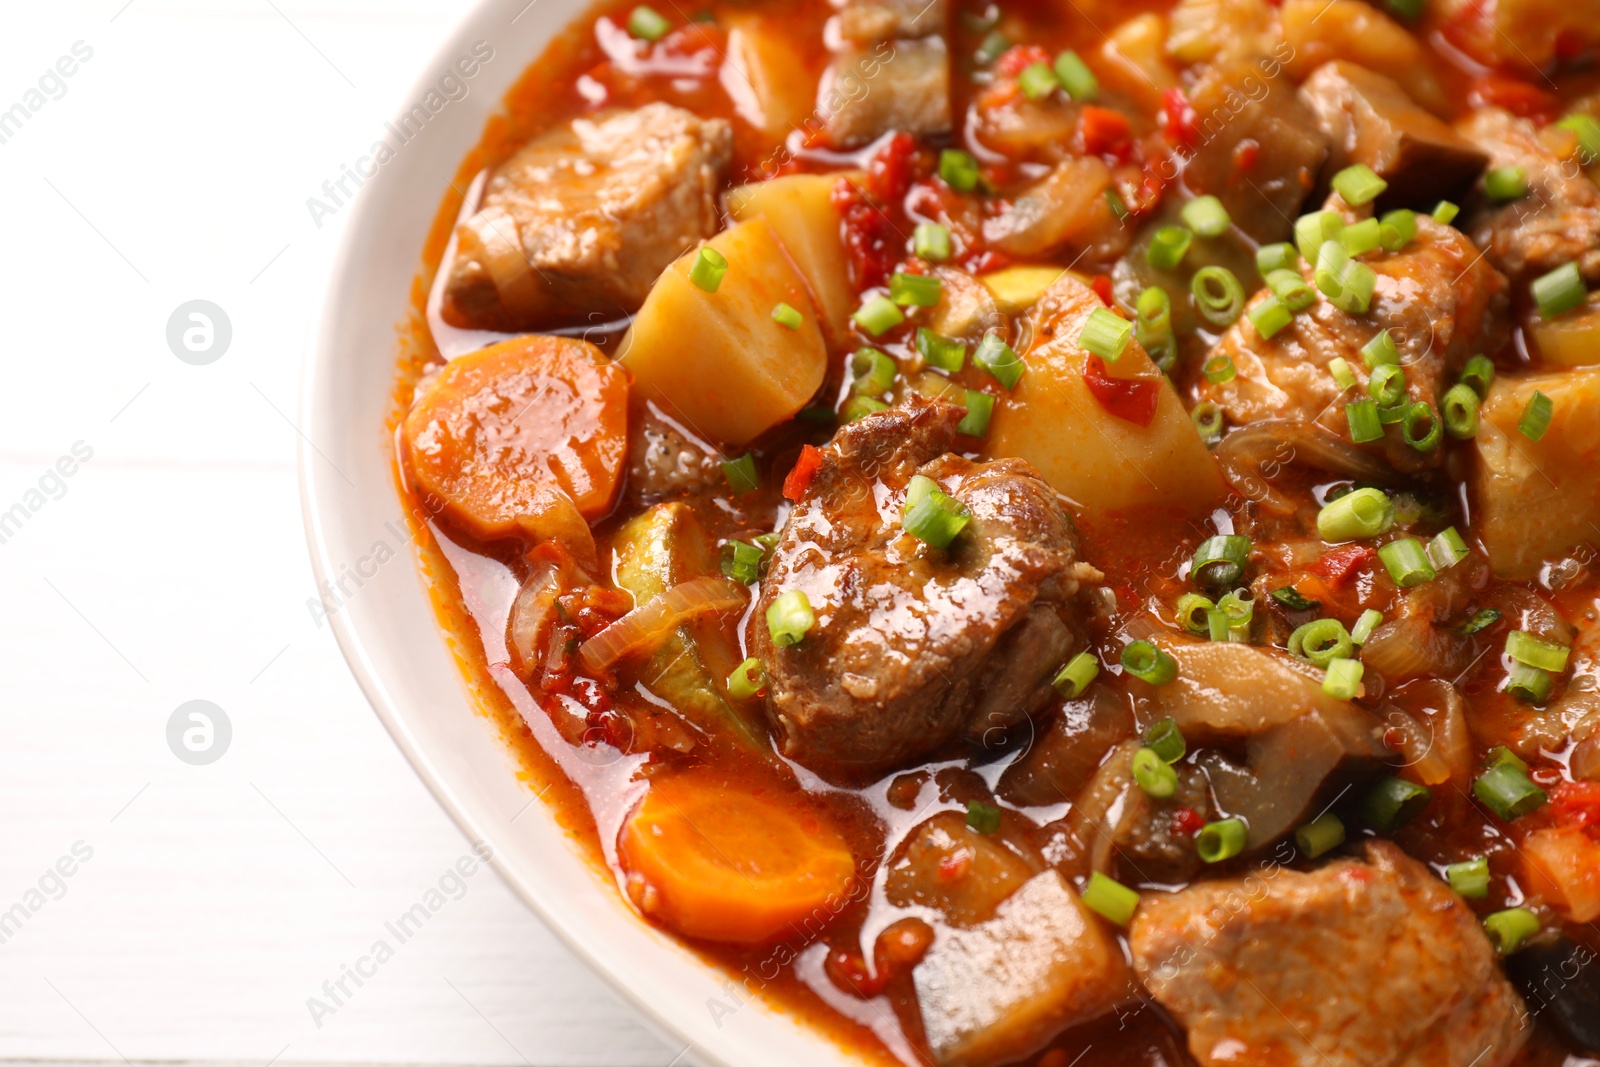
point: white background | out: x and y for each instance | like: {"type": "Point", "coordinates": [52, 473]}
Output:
{"type": "Point", "coordinates": [171, 566]}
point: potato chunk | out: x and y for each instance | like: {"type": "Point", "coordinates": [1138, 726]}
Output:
{"type": "Point", "coordinates": [513, 437]}
{"type": "Point", "coordinates": [718, 362]}
{"type": "Point", "coordinates": [1538, 500]}
{"type": "Point", "coordinates": [1101, 462]}
{"type": "Point", "coordinates": [800, 208]}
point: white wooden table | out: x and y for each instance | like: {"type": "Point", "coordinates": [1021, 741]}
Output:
{"type": "Point", "coordinates": [173, 164]}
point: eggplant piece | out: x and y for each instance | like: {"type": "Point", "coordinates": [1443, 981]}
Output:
{"type": "Point", "coordinates": [1068, 751]}
{"type": "Point", "coordinates": [1369, 118]}
{"type": "Point", "coordinates": [1559, 981]}
{"type": "Point", "coordinates": [965, 876]}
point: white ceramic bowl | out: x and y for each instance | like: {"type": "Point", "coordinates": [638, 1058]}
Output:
{"type": "Point", "coordinates": [386, 627]}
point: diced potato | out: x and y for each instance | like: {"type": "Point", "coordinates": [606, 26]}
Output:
{"type": "Point", "coordinates": [718, 362]}
{"type": "Point", "coordinates": [800, 208]}
{"type": "Point", "coordinates": [1134, 60]}
{"type": "Point", "coordinates": [1206, 30]}
{"type": "Point", "coordinates": [766, 75]}
{"type": "Point", "coordinates": [965, 309]}
{"type": "Point", "coordinates": [946, 865]}
{"type": "Point", "coordinates": [1317, 31]}
{"type": "Point", "coordinates": [997, 992]}
{"type": "Point", "coordinates": [1570, 340]}
{"type": "Point", "coordinates": [1016, 289]}
{"type": "Point", "coordinates": [1538, 500]}
{"type": "Point", "coordinates": [1563, 866]}
{"type": "Point", "coordinates": [1102, 463]}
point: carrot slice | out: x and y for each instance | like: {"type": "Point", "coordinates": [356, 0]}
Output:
{"type": "Point", "coordinates": [516, 437]}
{"type": "Point", "coordinates": [714, 861]}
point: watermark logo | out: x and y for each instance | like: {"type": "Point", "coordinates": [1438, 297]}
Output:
{"type": "Point", "coordinates": [199, 732]}
{"type": "Point", "coordinates": [199, 332]}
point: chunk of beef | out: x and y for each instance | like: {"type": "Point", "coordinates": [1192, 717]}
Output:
{"type": "Point", "coordinates": [1369, 119]}
{"type": "Point", "coordinates": [665, 461]}
{"type": "Point", "coordinates": [1357, 964]}
{"type": "Point", "coordinates": [891, 85]}
{"type": "Point", "coordinates": [1558, 222]}
{"type": "Point", "coordinates": [914, 646]}
{"type": "Point", "coordinates": [584, 217]}
{"type": "Point", "coordinates": [1439, 299]}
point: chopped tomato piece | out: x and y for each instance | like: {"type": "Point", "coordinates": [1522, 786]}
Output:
{"type": "Point", "coordinates": [890, 170]}
{"type": "Point", "coordinates": [1245, 155]}
{"type": "Point", "coordinates": [1105, 132]}
{"type": "Point", "coordinates": [1018, 58]}
{"type": "Point", "coordinates": [1339, 565]}
{"type": "Point", "coordinates": [805, 468]}
{"type": "Point", "coordinates": [870, 238]}
{"type": "Point", "coordinates": [847, 969]}
{"type": "Point", "coordinates": [1180, 123]}
{"type": "Point", "coordinates": [1515, 95]}
{"type": "Point", "coordinates": [984, 262]}
{"type": "Point", "coordinates": [1102, 288]}
{"type": "Point", "coordinates": [1130, 399]}
{"type": "Point", "coordinates": [1575, 804]}
{"type": "Point", "coordinates": [1188, 821]}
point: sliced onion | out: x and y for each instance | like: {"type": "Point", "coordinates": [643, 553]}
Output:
{"type": "Point", "coordinates": [1252, 457]}
{"type": "Point", "coordinates": [1413, 647]}
{"type": "Point", "coordinates": [491, 236]}
{"type": "Point", "coordinates": [1432, 723]}
{"type": "Point", "coordinates": [652, 621]}
{"type": "Point", "coordinates": [531, 614]}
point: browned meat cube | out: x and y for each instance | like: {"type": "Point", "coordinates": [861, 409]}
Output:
{"type": "Point", "coordinates": [882, 20]}
{"type": "Point", "coordinates": [584, 217]}
{"type": "Point", "coordinates": [1374, 964]}
{"type": "Point", "coordinates": [890, 85]}
{"type": "Point", "coordinates": [915, 646]}
{"type": "Point", "coordinates": [1439, 299]}
{"type": "Point", "coordinates": [1558, 222]}
{"type": "Point", "coordinates": [1370, 119]}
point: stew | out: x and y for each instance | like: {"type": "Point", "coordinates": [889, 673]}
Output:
{"type": "Point", "coordinates": [1049, 534]}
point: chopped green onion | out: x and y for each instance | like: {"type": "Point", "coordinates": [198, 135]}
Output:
{"type": "Point", "coordinates": [1219, 369]}
{"type": "Point", "coordinates": [1445, 212]}
{"type": "Point", "coordinates": [1208, 420]}
{"type": "Point", "coordinates": [1588, 133]}
{"type": "Point", "coordinates": [1380, 351]}
{"type": "Point", "coordinates": [1393, 802]}
{"type": "Point", "coordinates": [1148, 663]}
{"type": "Point", "coordinates": [931, 241]}
{"type": "Point", "coordinates": [1269, 316]}
{"type": "Point", "coordinates": [1221, 840]}
{"type": "Point", "coordinates": [1281, 256]}
{"type": "Point", "coordinates": [1559, 291]}
{"type": "Point", "coordinates": [1346, 283]}
{"type": "Point", "coordinates": [708, 269]}
{"type": "Point", "coordinates": [1219, 561]}
{"type": "Point", "coordinates": [790, 617]}
{"type": "Point", "coordinates": [1320, 836]}
{"type": "Point", "coordinates": [1536, 416]}
{"type": "Point", "coordinates": [1479, 621]}
{"type": "Point", "coordinates": [992, 48]}
{"type": "Point", "coordinates": [1387, 384]}
{"type": "Point", "coordinates": [1320, 642]}
{"type": "Point", "coordinates": [859, 407]}
{"type": "Point", "coordinates": [1407, 562]}
{"type": "Point", "coordinates": [747, 680]}
{"type": "Point", "coordinates": [1500, 754]}
{"type": "Point", "coordinates": [1478, 375]}
{"type": "Point", "coordinates": [1110, 899]}
{"type": "Point", "coordinates": [1506, 183]}
{"type": "Point", "coordinates": [1191, 612]}
{"type": "Point", "coordinates": [785, 315]}
{"type": "Point", "coordinates": [1343, 678]}
{"type": "Point", "coordinates": [1206, 216]}
{"type": "Point", "coordinates": [1166, 740]}
{"type": "Point", "coordinates": [1535, 651]}
{"type": "Point", "coordinates": [1331, 262]}
{"type": "Point", "coordinates": [980, 408]}
{"type": "Point", "coordinates": [958, 169]}
{"type": "Point", "coordinates": [1362, 237]}
{"type": "Point", "coordinates": [1361, 513]}
{"type": "Point", "coordinates": [1106, 334]}
{"type": "Point", "coordinates": [931, 515]}
{"type": "Point", "coordinates": [1218, 296]}
{"type": "Point", "coordinates": [983, 818]}
{"type": "Point", "coordinates": [1167, 247]}
{"type": "Point", "coordinates": [998, 358]}
{"type": "Point", "coordinates": [1422, 414]}
{"type": "Point", "coordinates": [1237, 609]}
{"type": "Point", "coordinates": [878, 315]}
{"type": "Point", "coordinates": [1154, 774]}
{"type": "Point", "coordinates": [742, 562]}
{"type": "Point", "coordinates": [1343, 376]}
{"type": "Point", "coordinates": [1528, 684]}
{"type": "Point", "coordinates": [1394, 415]}
{"type": "Point", "coordinates": [1076, 77]}
{"type": "Point", "coordinates": [946, 353]}
{"type": "Point", "coordinates": [647, 24]}
{"type": "Point", "coordinates": [1447, 549]}
{"type": "Point", "coordinates": [1460, 409]}
{"type": "Point", "coordinates": [1292, 599]}
{"type": "Point", "coordinates": [874, 372]}
{"type": "Point", "coordinates": [1038, 81]}
{"type": "Point", "coordinates": [1312, 231]}
{"type": "Point", "coordinates": [915, 290]}
{"type": "Point", "coordinates": [1507, 930]}
{"type": "Point", "coordinates": [1469, 878]}
{"type": "Point", "coordinates": [1507, 791]}
{"type": "Point", "coordinates": [1076, 676]}
{"type": "Point", "coordinates": [1365, 623]}
{"type": "Point", "coordinates": [742, 474]}
{"type": "Point", "coordinates": [1358, 184]}
{"type": "Point", "coordinates": [1365, 425]}
{"type": "Point", "coordinates": [1217, 626]}
{"type": "Point", "coordinates": [1399, 229]}
{"type": "Point", "coordinates": [1153, 326]}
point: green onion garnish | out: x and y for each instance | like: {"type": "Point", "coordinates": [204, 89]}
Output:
{"type": "Point", "coordinates": [1269, 316]}
{"type": "Point", "coordinates": [785, 315]}
{"type": "Point", "coordinates": [931, 515]}
{"type": "Point", "coordinates": [742, 562]}
{"type": "Point", "coordinates": [1445, 212]}
{"type": "Point", "coordinates": [1342, 681]}
{"type": "Point", "coordinates": [1478, 375]}
{"type": "Point", "coordinates": [1219, 369]}
{"type": "Point", "coordinates": [1366, 622]}
{"type": "Point", "coordinates": [1387, 384]}
{"type": "Point", "coordinates": [1529, 684]}
{"type": "Point", "coordinates": [1559, 291]}
{"type": "Point", "coordinates": [980, 408]}
{"type": "Point", "coordinates": [1295, 292]}
{"type": "Point", "coordinates": [647, 24]}
{"type": "Point", "coordinates": [1110, 899]}
{"type": "Point", "coordinates": [1535, 651]}
{"type": "Point", "coordinates": [1106, 334]}
{"type": "Point", "coordinates": [1167, 247]}
{"type": "Point", "coordinates": [1479, 621]}
{"type": "Point", "coordinates": [1076, 77]}
{"type": "Point", "coordinates": [1292, 599]}
{"type": "Point", "coordinates": [1166, 740]}
{"type": "Point", "coordinates": [1217, 626]}
{"type": "Point", "coordinates": [1219, 561]}
{"type": "Point", "coordinates": [1380, 351]}
{"type": "Point", "coordinates": [1399, 229]}
{"type": "Point", "coordinates": [1421, 414]}
{"type": "Point", "coordinates": [931, 241]}
{"type": "Point", "coordinates": [1393, 802]}
{"type": "Point", "coordinates": [742, 474]}
{"type": "Point", "coordinates": [1221, 840]}
{"type": "Point", "coordinates": [1362, 237]}
{"type": "Point", "coordinates": [1218, 296]}
{"type": "Point", "coordinates": [983, 818]}
{"type": "Point", "coordinates": [1208, 419]}
{"type": "Point", "coordinates": [1343, 376]}
{"type": "Point", "coordinates": [1447, 549]}
{"type": "Point", "coordinates": [1320, 836]}
{"type": "Point", "coordinates": [1361, 513]}
{"type": "Point", "coordinates": [1320, 642]}
{"type": "Point", "coordinates": [1076, 676]}
{"type": "Point", "coordinates": [1281, 256]}
{"type": "Point", "coordinates": [1038, 81]}
{"type": "Point", "coordinates": [1148, 663]}
{"type": "Point", "coordinates": [1508, 929]}
{"type": "Point", "coordinates": [946, 353]}
{"type": "Point", "coordinates": [1459, 405]}
{"type": "Point", "coordinates": [1206, 216]}
{"type": "Point", "coordinates": [1237, 608]}
{"type": "Point", "coordinates": [1507, 791]}
{"type": "Point", "coordinates": [859, 407]}
{"type": "Point", "coordinates": [1407, 562]}
{"type": "Point", "coordinates": [1506, 183]}
{"type": "Point", "coordinates": [958, 169]}
{"type": "Point", "coordinates": [998, 358]}
{"type": "Point", "coordinates": [747, 680]}
{"type": "Point", "coordinates": [1469, 878]}
{"type": "Point", "coordinates": [790, 617]}
{"type": "Point", "coordinates": [992, 48]}
{"type": "Point", "coordinates": [915, 290]}
{"type": "Point", "coordinates": [874, 372]}
{"type": "Point", "coordinates": [708, 269]}
{"type": "Point", "coordinates": [1152, 326]}
{"type": "Point", "coordinates": [1362, 415]}
{"type": "Point", "coordinates": [1588, 133]}
{"type": "Point", "coordinates": [1500, 754]}
{"type": "Point", "coordinates": [1154, 774]}
{"type": "Point", "coordinates": [1191, 612]}
{"type": "Point", "coordinates": [878, 315]}
{"type": "Point", "coordinates": [1536, 416]}
{"type": "Point", "coordinates": [1358, 184]}
{"type": "Point", "coordinates": [1312, 231]}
